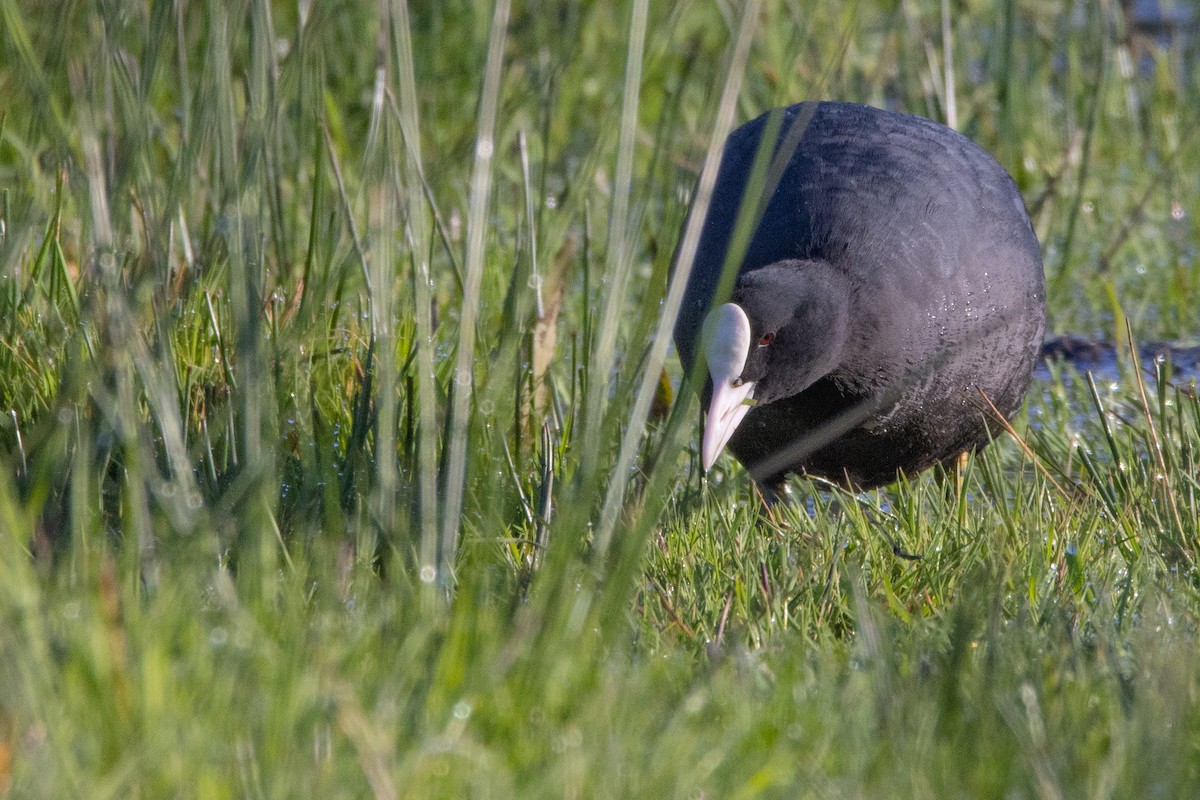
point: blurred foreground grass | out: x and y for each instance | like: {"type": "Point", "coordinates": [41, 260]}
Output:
{"type": "Point", "coordinates": [338, 461]}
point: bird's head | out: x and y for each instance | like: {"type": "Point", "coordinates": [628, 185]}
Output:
{"type": "Point", "coordinates": [783, 329]}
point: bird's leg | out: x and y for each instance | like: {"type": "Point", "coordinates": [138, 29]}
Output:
{"type": "Point", "coordinates": [881, 516]}
{"type": "Point", "coordinates": [771, 495]}
{"type": "Point", "coordinates": [900, 552]}
{"type": "Point", "coordinates": [960, 477]}
{"type": "Point", "coordinates": [958, 471]}
{"type": "Point", "coordinates": [951, 478]}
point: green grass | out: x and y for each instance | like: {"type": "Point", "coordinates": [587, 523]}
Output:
{"type": "Point", "coordinates": [338, 460]}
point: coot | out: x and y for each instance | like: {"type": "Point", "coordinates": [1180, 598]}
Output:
{"type": "Point", "coordinates": [891, 276]}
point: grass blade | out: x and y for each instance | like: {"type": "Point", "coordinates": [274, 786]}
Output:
{"type": "Point", "coordinates": [477, 226]}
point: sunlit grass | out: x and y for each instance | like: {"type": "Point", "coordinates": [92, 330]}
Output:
{"type": "Point", "coordinates": [340, 460]}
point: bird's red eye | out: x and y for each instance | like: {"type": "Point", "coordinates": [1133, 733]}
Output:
{"type": "Point", "coordinates": [766, 339]}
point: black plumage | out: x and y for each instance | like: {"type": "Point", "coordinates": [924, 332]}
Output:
{"type": "Point", "coordinates": [892, 277]}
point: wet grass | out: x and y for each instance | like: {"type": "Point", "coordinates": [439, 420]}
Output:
{"type": "Point", "coordinates": [340, 459]}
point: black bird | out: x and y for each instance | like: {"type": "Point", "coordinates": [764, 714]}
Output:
{"type": "Point", "coordinates": [891, 277]}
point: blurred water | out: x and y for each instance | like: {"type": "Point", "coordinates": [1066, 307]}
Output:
{"type": "Point", "coordinates": [1161, 27]}
{"type": "Point", "coordinates": [1059, 379]}
{"type": "Point", "coordinates": [1103, 359]}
